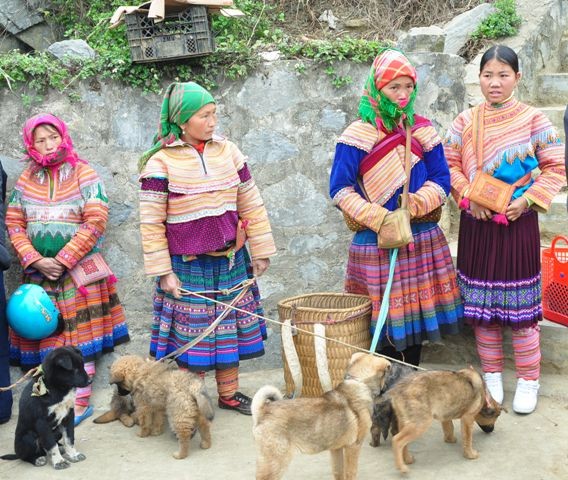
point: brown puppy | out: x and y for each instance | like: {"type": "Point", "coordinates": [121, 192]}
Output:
{"type": "Point", "coordinates": [384, 418]}
{"type": "Point", "coordinates": [337, 421]}
{"type": "Point", "coordinates": [157, 390]}
{"type": "Point", "coordinates": [121, 408]}
{"type": "Point", "coordinates": [442, 395]}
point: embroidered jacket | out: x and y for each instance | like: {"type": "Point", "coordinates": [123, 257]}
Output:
{"type": "Point", "coordinates": [61, 214]}
{"type": "Point", "coordinates": [383, 181]}
{"type": "Point", "coordinates": [190, 204]}
{"type": "Point", "coordinates": [517, 139]}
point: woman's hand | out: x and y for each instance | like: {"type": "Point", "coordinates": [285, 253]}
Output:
{"type": "Point", "coordinates": [516, 208]}
{"type": "Point", "coordinates": [259, 266]}
{"type": "Point", "coordinates": [479, 212]}
{"type": "Point", "coordinates": [170, 284]}
{"type": "Point", "coordinates": [50, 268]}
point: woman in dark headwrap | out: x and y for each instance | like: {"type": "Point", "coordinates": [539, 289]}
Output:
{"type": "Point", "coordinates": [198, 201]}
{"type": "Point", "coordinates": [425, 301]}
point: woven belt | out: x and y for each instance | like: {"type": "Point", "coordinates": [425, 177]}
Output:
{"type": "Point", "coordinates": [433, 216]}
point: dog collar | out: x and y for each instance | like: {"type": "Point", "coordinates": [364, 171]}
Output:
{"type": "Point", "coordinates": [39, 389]}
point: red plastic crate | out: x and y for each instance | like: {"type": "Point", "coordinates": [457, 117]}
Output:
{"type": "Point", "coordinates": [555, 281]}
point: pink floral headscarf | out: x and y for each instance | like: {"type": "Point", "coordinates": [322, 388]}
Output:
{"type": "Point", "coordinates": [65, 151]}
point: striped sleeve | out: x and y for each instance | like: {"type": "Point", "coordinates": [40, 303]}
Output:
{"type": "Point", "coordinates": [453, 143]}
{"type": "Point", "coordinates": [250, 208]}
{"type": "Point", "coordinates": [153, 197]}
{"type": "Point", "coordinates": [550, 154]}
{"type": "Point", "coordinates": [95, 216]}
{"type": "Point", "coordinates": [16, 225]}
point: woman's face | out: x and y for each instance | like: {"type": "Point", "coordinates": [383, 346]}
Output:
{"type": "Point", "coordinates": [201, 125]}
{"type": "Point", "coordinates": [46, 139]}
{"type": "Point", "coordinates": [497, 81]}
{"type": "Point", "coordinates": [399, 90]}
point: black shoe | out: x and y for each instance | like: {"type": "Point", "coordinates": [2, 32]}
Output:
{"type": "Point", "coordinates": [239, 402]}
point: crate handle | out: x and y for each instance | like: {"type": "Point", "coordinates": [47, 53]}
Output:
{"type": "Point", "coordinates": [553, 246]}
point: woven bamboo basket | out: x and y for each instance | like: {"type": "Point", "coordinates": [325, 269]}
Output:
{"type": "Point", "coordinates": [346, 317]}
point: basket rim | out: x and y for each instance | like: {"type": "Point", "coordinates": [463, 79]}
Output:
{"type": "Point", "coordinates": [285, 302]}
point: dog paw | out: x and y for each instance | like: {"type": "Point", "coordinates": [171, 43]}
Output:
{"type": "Point", "coordinates": [155, 432]}
{"type": "Point", "coordinates": [205, 444]}
{"type": "Point", "coordinates": [404, 469]}
{"type": "Point", "coordinates": [143, 433]}
{"type": "Point", "coordinates": [471, 454]}
{"type": "Point", "coordinates": [179, 455]}
{"type": "Point", "coordinates": [409, 459]}
{"type": "Point", "coordinates": [78, 457]}
{"type": "Point", "coordinates": [450, 439]}
{"type": "Point", "coordinates": [40, 461]}
{"type": "Point", "coordinates": [61, 465]}
{"type": "Point", "coordinates": [127, 422]}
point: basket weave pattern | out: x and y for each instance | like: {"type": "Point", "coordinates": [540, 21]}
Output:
{"type": "Point", "coordinates": [346, 317]}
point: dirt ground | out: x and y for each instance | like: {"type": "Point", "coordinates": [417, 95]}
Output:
{"type": "Point", "coordinates": [531, 447]}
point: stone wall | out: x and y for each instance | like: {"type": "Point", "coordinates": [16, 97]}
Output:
{"type": "Point", "coordinates": [287, 124]}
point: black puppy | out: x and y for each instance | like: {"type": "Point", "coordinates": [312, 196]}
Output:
{"type": "Point", "coordinates": [46, 416]}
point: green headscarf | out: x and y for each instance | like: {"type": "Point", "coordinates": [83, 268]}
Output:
{"type": "Point", "coordinates": [181, 102]}
{"type": "Point", "coordinates": [388, 65]}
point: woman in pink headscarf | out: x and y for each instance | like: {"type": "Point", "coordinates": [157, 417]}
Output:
{"type": "Point", "coordinates": [56, 218]}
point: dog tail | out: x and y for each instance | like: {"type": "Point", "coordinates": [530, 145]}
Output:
{"type": "Point", "coordinates": [10, 456]}
{"type": "Point", "coordinates": [205, 404]}
{"type": "Point", "coordinates": [106, 417]}
{"type": "Point", "coordinates": [266, 394]}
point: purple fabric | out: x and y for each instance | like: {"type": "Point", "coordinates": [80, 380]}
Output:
{"type": "Point", "coordinates": [199, 236]}
{"type": "Point", "coordinates": [202, 235]}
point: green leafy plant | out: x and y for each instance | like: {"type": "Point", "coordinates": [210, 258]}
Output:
{"type": "Point", "coordinates": [238, 43]}
{"type": "Point", "coordinates": [504, 22]}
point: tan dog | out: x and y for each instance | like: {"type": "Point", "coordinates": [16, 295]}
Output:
{"type": "Point", "coordinates": [337, 421]}
{"type": "Point", "coordinates": [442, 395]}
{"type": "Point", "coordinates": [158, 390]}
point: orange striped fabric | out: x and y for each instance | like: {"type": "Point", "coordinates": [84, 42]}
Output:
{"type": "Point", "coordinates": [511, 131]}
{"type": "Point", "coordinates": [208, 186]}
{"type": "Point", "coordinates": [387, 176]}
{"type": "Point", "coordinates": [62, 216]}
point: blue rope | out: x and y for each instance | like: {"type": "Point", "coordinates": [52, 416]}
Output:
{"type": "Point", "coordinates": [383, 312]}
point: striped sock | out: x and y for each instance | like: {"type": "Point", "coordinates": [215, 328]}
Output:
{"type": "Point", "coordinates": [84, 394]}
{"type": "Point", "coordinates": [526, 346]}
{"type": "Point", "coordinates": [227, 381]}
{"type": "Point", "coordinates": [489, 341]}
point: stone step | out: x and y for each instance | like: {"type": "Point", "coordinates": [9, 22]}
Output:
{"type": "Point", "coordinates": [552, 88]}
{"type": "Point", "coordinates": [555, 113]}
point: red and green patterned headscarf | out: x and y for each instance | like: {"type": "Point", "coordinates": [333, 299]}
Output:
{"type": "Point", "coordinates": [181, 102]}
{"type": "Point", "coordinates": [387, 66]}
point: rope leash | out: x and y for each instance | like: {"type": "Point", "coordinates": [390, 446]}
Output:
{"type": "Point", "coordinates": [283, 325]}
{"type": "Point", "coordinates": [29, 373]}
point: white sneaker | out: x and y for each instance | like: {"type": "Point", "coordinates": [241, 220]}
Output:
{"type": "Point", "coordinates": [494, 384]}
{"type": "Point", "coordinates": [525, 396]}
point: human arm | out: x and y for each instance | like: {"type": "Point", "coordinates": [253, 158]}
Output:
{"type": "Point", "coordinates": [434, 192]}
{"type": "Point", "coordinates": [153, 199]}
{"type": "Point", "coordinates": [551, 162]}
{"type": "Point", "coordinates": [252, 212]}
{"type": "Point", "coordinates": [342, 190]}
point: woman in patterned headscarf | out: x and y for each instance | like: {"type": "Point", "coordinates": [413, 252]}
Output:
{"type": "Point", "coordinates": [425, 301]}
{"type": "Point", "coordinates": [198, 203]}
{"type": "Point", "coordinates": [57, 217]}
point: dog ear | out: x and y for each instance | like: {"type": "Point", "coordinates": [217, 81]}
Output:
{"type": "Point", "coordinates": [65, 362]}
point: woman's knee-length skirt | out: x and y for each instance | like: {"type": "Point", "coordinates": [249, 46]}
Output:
{"type": "Point", "coordinates": [239, 336]}
{"type": "Point", "coordinates": [425, 301]}
{"type": "Point", "coordinates": [499, 271]}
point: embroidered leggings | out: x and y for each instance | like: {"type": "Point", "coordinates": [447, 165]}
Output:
{"type": "Point", "coordinates": [84, 394]}
{"type": "Point", "coordinates": [526, 348]}
{"type": "Point", "coordinates": [227, 381]}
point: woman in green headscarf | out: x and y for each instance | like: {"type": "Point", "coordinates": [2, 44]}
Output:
{"type": "Point", "coordinates": [366, 183]}
{"type": "Point", "coordinates": [198, 204]}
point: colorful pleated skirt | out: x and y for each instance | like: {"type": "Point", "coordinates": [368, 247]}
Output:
{"type": "Point", "coordinates": [176, 322]}
{"type": "Point", "coordinates": [499, 271]}
{"type": "Point", "coordinates": [94, 323]}
{"type": "Point", "coordinates": [425, 301]}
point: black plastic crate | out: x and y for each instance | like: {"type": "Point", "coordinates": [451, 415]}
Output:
{"type": "Point", "coordinates": [180, 35]}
